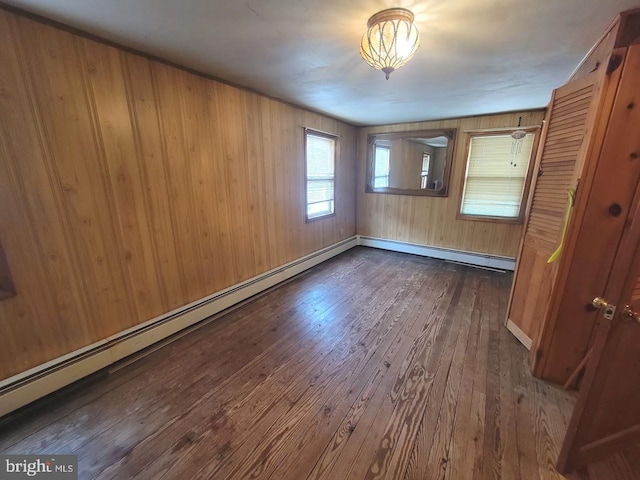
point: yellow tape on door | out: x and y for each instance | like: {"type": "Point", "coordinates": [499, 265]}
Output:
{"type": "Point", "coordinates": [570, 202]}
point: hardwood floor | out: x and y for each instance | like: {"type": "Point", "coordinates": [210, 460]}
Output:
{"type": "Point", "coordinates": [372, 365]}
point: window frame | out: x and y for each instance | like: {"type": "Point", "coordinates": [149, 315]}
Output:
{"type": "Point", "coordinates": [524, 200]}
{"type": "Point", "coordinates": [336, 150]}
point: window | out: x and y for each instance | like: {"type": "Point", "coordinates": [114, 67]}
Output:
{"type": "Point", "coordinates": [424, 174]}
{"type": "Point", "coordinates": [382, 155]}
{"type": "Point", "coordinates": [495, 176]}
{"type": "Point", "coordinates": [320, 152]}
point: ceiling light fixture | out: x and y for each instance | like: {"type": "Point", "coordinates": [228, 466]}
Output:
{"type": "Point", "coordinates": [390, 41]}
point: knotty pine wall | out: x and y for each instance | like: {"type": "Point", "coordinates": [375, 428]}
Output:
{"type": "Point", "coordinates": [432, 220]}
{"type": "Point", "coordinates": [129, 188]}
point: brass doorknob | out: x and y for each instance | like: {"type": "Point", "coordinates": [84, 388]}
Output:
{"type": "Point", "coordinates": [629, 314]}
{"type": "Point", "coordinates": [600, 303]}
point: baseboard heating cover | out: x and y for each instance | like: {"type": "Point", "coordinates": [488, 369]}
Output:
{"type": "Point", "coordinates": [471, 258]}
{"type": "Point", "coordinates": [25, 387]}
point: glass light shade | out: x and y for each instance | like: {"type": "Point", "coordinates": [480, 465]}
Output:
{"type": "Point", "coordinates": [390, 41]}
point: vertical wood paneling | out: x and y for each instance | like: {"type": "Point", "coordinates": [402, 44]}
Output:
{"type": "Point", "coordinates": [256, 178]}
{"type": "Point", "coordinates": [150, 153]}
{"type": "Point", "coordinates": [218, 189]}
{"type": "Point", "coordinates": [65, 111]}
{"type": "Point", "coordinates": [178, 174]}
{"type": "Point", "coordinates": [36, 244]}
{"type": "Point", "coordinates": [268, 159]}
{"type": "Point", "coordinates": [118, 144]}
{"type": "Point", "coordinates": [203, 184]}
{"type": "Point", "coordinates": [432, 220]}
{"type": "Point", "coordinates": [16, 309]}
{"type": "Point", "coordinates": [131, 188]}
{"type": "Point", "coordinates": [233, 153]}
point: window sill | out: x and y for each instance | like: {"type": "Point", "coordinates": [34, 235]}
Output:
{"type": "Point", "coordinates": [486, 218]}
{"type": "Point", "coordinates": [313, 219]}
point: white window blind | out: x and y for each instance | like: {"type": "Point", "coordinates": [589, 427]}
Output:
{"type": "Point", "coordinates": [320, 158]}
{"type": "Point", "coordinates": [495, 176]}
{"type": "Point", "coordinates": [381, 166]}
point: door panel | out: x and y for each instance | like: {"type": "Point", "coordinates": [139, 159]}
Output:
{"type": "Point", "coordinates": [607, 415]}
{"type": "Point", "coordinates": [564, 140]}
{"type": "Point", "coordinates": [604, 199]}
{"type": "Point", "coordinates": [532, 290]}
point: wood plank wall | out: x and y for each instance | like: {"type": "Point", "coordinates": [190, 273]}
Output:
{"type": "Point", "coordinates": [129, 188]}
{"type": "Point", "coordinates": [432, 220]}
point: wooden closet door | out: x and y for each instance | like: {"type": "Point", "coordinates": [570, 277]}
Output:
{"type": "Point", "coordinates": [606, 418]}
{"type": "Point", "coordinates": [606, 190]}
{"type": "Point", "coordinates": [565, 137]}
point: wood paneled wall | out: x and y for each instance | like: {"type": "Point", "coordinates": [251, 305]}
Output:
{"type": "Point", "coordinates": [129, 188]}
{"type": "Point", "coordinates": [432, 220]}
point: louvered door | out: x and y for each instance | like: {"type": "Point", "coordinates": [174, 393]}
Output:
{"type": "Point", "coordinates": [558, 166]}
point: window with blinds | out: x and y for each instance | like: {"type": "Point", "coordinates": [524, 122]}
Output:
{"type": "Point", "coordinates": [496, 175]}
{"type": "Point", "coordinates": [382, 154]}
{"type": "Point", "coordinates": [320, 153]}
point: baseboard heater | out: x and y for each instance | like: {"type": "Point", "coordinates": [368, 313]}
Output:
{"type": "Point", "coordinates": [39, 381]}
{"type": "Point", "coordinates": [25, 387]}
{"type": "Point", "coordinates": [470, 258]}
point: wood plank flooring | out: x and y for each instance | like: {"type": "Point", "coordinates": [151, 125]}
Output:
{"type": "Point", "coordinates": [373, 365]}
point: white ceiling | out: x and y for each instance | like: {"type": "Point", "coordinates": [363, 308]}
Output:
{"type": "Point", "coordinates": [476, 56]}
